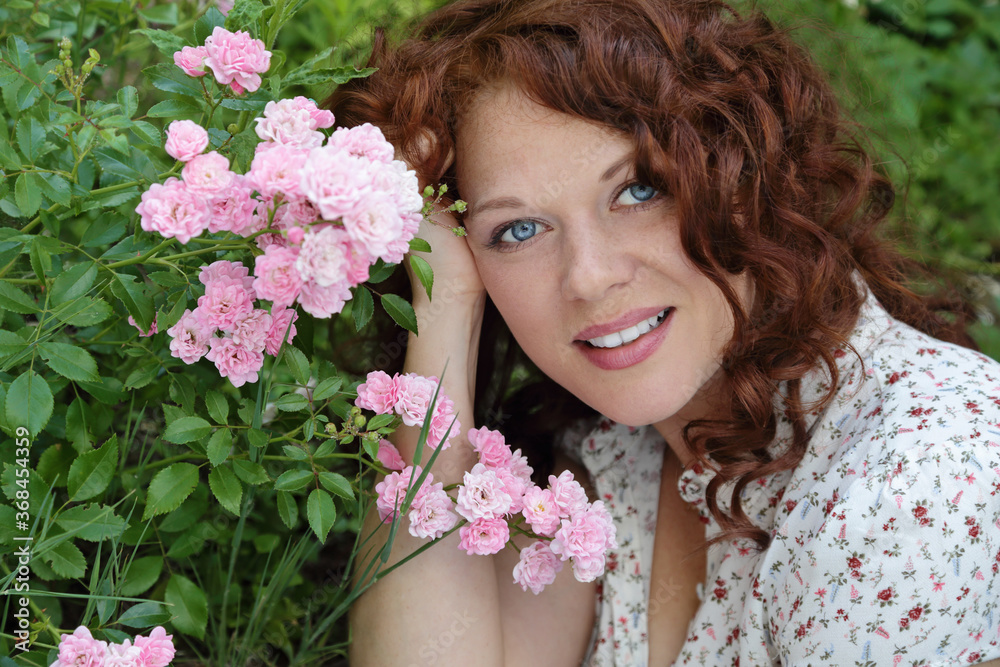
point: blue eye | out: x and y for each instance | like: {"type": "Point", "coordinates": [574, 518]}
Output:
{"type": "Point", "coordinates": [522, 230]}
{"type": "Point", "coordinates": [639, 193]}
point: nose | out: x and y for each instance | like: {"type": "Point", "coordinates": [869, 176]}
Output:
{"type": "Point", "coordinates": [596, 260]}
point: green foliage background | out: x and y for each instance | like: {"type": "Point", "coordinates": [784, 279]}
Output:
{"type": "Point", "coordinates": [923, 76]}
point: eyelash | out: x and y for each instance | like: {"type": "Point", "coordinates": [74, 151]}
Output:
{"type": "Point", "coordinates": [495, 243]}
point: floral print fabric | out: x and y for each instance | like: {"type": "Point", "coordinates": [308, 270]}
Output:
{"type": "Point", "coordinates": [885, 539]}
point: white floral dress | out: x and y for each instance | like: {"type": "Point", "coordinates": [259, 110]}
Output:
{"type": "Point", "coordinates": [885, 539]}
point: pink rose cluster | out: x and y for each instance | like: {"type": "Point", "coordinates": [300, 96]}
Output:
{"type": "Point", "coordinates": [409, 396]}
{"type": "Point", "coordinates": [80, 649]}
{"type": "Point", "coordinates": [494, 495]}
{"type": "Point", "coordinates": [235, 59]}
{"type": "Point", "coordinates": [227, 328]}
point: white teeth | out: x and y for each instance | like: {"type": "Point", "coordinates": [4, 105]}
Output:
{"type": "Point", "coordinates": [630, 334]}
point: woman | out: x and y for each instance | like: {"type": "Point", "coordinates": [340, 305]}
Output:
{"type": "Point", "coordinates": [677, 226]}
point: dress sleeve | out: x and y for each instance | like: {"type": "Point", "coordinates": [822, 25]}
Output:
{"type": "Point", "coordinates": [900, 567]}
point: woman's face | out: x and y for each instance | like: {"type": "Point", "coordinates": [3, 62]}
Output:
{"type": "Point", "coordinates": [585, 264]}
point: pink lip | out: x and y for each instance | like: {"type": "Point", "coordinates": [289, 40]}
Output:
{"type": "Point", "coordinates": [630, 354]}
{"type": "Point", "coordinates": [624, 322]}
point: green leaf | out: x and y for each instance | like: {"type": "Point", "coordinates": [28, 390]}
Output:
{"type": "Point", "coordinates": [295, 452]}
{"type": "Point", "coordinates": [170, 79]}
{"type": "Point", "coordinates": [71, 362]}
{"type": "Point", "coordinates": [186, 429]}
{"type": "Point", "coordinates": [424, 272]}
{"type": "Point", "coordinates": [163, 14]}
{"type": "Point", "coordinates": [91, 522]}
{"type": "Point", "coordinates": [29, 402]}
{"type": "Point", "coordinates": [292, 403]}
{"type": "Point", "coordinates": [244, 15]}
{"type": "Point", "coordinates": [30, 137]}
{"type": "Point", "coordinates": [91, 472]}
{"type": "Point", "coordinates": [141, 575]}
{"type": "Point", "coordinates": [250, 472]}
{"type": "Point", "coordinates": [167, 42]}
{"type": "Point", "coordinates": [8, 156]}
{"type": "Point", "coordinates": [327, 388]}
{"type": "Point", "coordinates": [144, 615]}
{"type": "Point", "coordinates": [337, 483]}
{"type": "Point", "coordinates": [288, 509]}
{"type": "Point", "coordinates": [136, 301]}
{"type": "Point", "coordinates": [128, 99]}
{"type": "Point", "coordinates": [73, 282]}
{"type": "Point", "coordinates": [172, 108]}
{"type": "Point", "coordinates": [169, 488]}
{"type": "Point", "coordinates": [293, 480]}
{"type": "Point", "coordinates": [142, 376]}
{"type": "Point", "coordinates": [227, 488]}
{"type": "Point", "coordinates": [400, 311]}
{"type": "Point", "coordinates": [28, 194]}
{"type": "Point", "coordinates": [321, 513]}
{"type": "Point", "coordinates": [13, 299]}
{"type": "Point", "coordinates": [327, 76]}
{"type": "Point", "coordinates": [363, 307]}
{"type": "Point", "coordinates": [41, 18]}
{"type": "Point", "coordinates": [218, 406]}
{"type": "Point", "coordinates": [66, 560]}
{"type": "Point", "coordinates": [298, 364]}
{"type": "Point", "coordinates": [113, 162]}
{"type": "Point", "coordinates": [378, 421]}
{"type": "Point", "coordinates": [219, 446]}
{"type": "Point", "coordinates": [257, 437]}
{"type": "Point", "coordinates": [190, 606]}
{"type": "Point", "coordinates": [56, 188]}
{"type": "Point", "coordinates": [147, 133]}
{"type": "Point", "coordinates": [419, 245]}
{"type": "Point", "coordinates": [204, 26]}
{"type": "Point", "coordinates": [380, 271]}
{"type": "Point", "coordinates": [11, 343]}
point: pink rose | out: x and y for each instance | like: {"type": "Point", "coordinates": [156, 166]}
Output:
{"type": "Point", "coordinates": [189, 337]}
{"type": "Point", "coordinates": [145, 334]}
{"type": "Point", "coordinates": [283, 319]}
{"type": "Point", "coordinates": [374, 225]}
{"type": "Point", "coordinates": [364, 140]}
{"type": "Point", "coordinates": [325, 257]}
{"type": "Point", "coordinates": [536, 568]}
{"type": "Point", "coordinates": [225, 302]}
{"type": "Point", "coordinates": [490, 445]}
{"type": "Point", "coordinates": [518, 466]}
{"type": "Point", "coordinates": [185, 139]}
{"type": "Point", "coordinates": [191, 59]}
{"type": "Point", "coordinates": [237, 59]}
{"type": "Point", "coordinates": [225, 6]}
{"type": "Point", "coordinates": [172, 211]}
{"type": "Point", "coordinates": [321, 118]}
{"type": "Point", "coordinates": [80, 649]}
{"type": "Point", "coordinates": [569, 495]}
{"type": "Point", "coordinates": [414, 394]}
{"type": "Point", "coordinates": [324, 302]}
{"type": "Point", "coordinates": [208, 175]}
{"type": "Point", "coordinates": [541, 511]}
{"type": "Point", "coordinates": [378, 393]}
{"type": "Point", "coordinates": [588, 568]}
{"type": "Point", "coordinates": [481, 495]}
{"type": "Point", "coordinates": [236, 362]}
{"type": "Point", "coordinates": [587, 534]}
{"type": "Point", "coordinates": [389, 456]}
{"type": "Point", "coordinates": [277, 171]}
{"type": "Point", "coordinates": [335, 181]}
{"type": "Point", "coordinates": [289, 122]}
{"type": "Point", "coordinates": [233, 212]}
{"type": "Point", "coordinates": [483, 537]}
{"type": "Point", "coordinates": [226, 270]}
{"type": "Point", "coordinates": [122, 655]}
{"type": "Point", "coordinates": [252, 329]}
{"type": "Point", "coordinates": [392, 490]}
{"type": "Point", "coordinates": [399, 247]}
{"type": "Point", "coordinates": [431, 516]}
{"type": "Point", "coordinates": [156, 650]}
{"type": "Point", "coordinates": [513, 486]}
{"type": "Point", "coordinates": [443, 422]}
{"type": "Point", "coordinates": [277, 279]}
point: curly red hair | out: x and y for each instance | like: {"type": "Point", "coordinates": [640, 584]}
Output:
{"type": "Point", "coordinates": [730, 117]}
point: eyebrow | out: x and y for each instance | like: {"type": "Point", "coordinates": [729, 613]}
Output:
{"type": "Point", "coordinates": [514, 202]}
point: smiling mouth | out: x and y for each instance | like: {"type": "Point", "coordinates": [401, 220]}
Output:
{"type": "Point", "coordinates": [629, 334]}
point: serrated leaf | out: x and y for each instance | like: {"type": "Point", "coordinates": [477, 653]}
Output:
{"type": "Point", "coordinates": [295, 452]}
{"type": "Point", "coordinates": [244, 14]}
{"type": "Point", "coordinates": [297, 363]}
{"type": "Point", "coordinates": [141, 376]}
{"type": "Point", "coordinates": [292, 403]}
{"type": "Point", "coordinates": [363, 307]}
{"type": "Point", "coordinates": [91, 522]}
{"type": "Point", "coordinates": [219, 446]}
{"type": "Point", "coordinates": [142, 573]}
{"type": "Point", "coordinates": [115, 162]}
{"type": "Point", "coordinates": [424, 272]}
{"type": "Point", "coordinates": [71, 362]}
{"type": "Point", "coordinates": [144, 615]}
{"type": "Point", "coordinates": [11, 343]}
{"type": "Point", "coordinates": [293, 480]}
{"type": "Point", "coordinates": [9, 158]}
{"type": "Point", "coordinates": [400, 311]}
{"type": "Point", "coordinates": [30, 137]}
{"type": "Point", "coordinates": [13, 299]}
{"type": "Point", "coordinates": [257, 437]}
{"type": "Point", "coordinates": [380, 271]}
{"type": "Point", "coordinates": [172, 108]}
{"type": "Point", "coordinates": [204, 26]}
{"type": "Point", "coordinates": [189, 606]}
{"type": "Point", "coordinates": [73, 282]}
{"type": "Point", "coordinates": [147, 133]}
{"type": "Point", "coordinates": [92, 471]}
{"type": "Point", "coordinates": [28, 194]}
{"type": "Point", "coordinates": [29, 402]}
{"type": "Point", "coordinates": [327, 388]}
{"type": "Point", "coordinates": [378, 421]}
{"type": "Point", "coordinates": [136, 301]}
{"type": "Point", "coordinates": [56, 188]}
{"type": "Point", "coordinates": [321, 513]}
{"type": "Point", "coordinates": [250, 472]}
{"type": "Point", "coordinates": [218, 406]}
{"type": "Point", "coordinates": [335, 75]}
{"type": "Point", "coordinates": [167, 42]}
{"type": "Point", "coordinates": [128, 100]}
{"type": "Point", "coordinates": [337, 483]}
{"type": "Point", "coordinates": [164, 14]}
{"type": "Point", "coordinates": [169, 488]}
{"type": "Point", "coordinates": [186, 429]}
{"type": "Point", "coordinates": [227, 488]}
{"type": "Point", "coordinates": [419, 245]}
{"type": "Point", "coordinates": [288, 509]}
{"type": "Point", "coordinates": [170, 79]}
{"type": "Point", "coordinates": [66, 560]}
